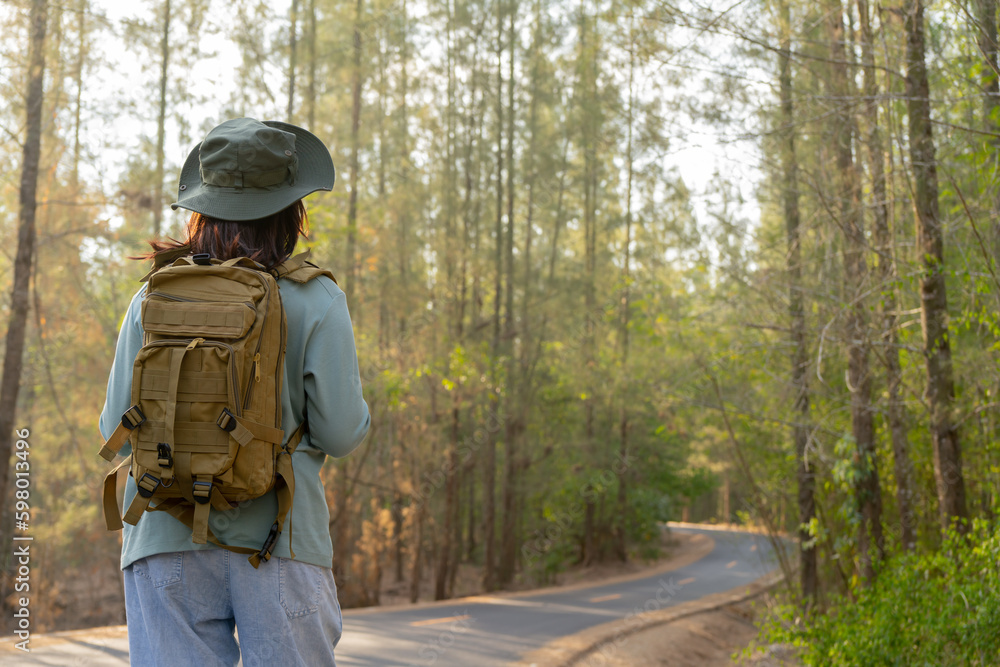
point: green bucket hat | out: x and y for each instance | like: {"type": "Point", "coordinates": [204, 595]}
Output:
{"type": "Point", "coordinates": [246, 169]}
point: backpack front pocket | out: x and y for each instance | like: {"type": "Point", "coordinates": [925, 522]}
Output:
{"type": "Point", "coordinates": [185, 386]}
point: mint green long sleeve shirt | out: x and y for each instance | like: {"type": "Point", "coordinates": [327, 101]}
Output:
{"type": "Point", "coordinates": [321, 379]}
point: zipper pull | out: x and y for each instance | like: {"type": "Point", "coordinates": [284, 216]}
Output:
{"type": "Point", "coordinates": [195, 343]}
{"type": "Point", "coordinates": [256, 367]}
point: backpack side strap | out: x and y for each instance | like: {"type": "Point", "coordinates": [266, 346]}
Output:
{"type": "Point", "coordinates": [131, 419]}
{"type": "Point", "coordinates": [112, 517]}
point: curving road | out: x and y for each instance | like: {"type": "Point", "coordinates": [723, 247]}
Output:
{"type": "Point", "coordinates": [481, 630]}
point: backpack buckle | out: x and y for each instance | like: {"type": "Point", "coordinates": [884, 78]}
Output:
{"type": "Point", "coordinates": [226, 421]}
{"type": "Point", "coordinates": [147, 485]}
{"type": "Point", "coordinates": [133, 418]}
{"type": "Point", "coordinates": [202, 492]}
{"type": "Point", "coordinates": [272, 539]}
{"type": "Point", "coordinates": [163, 455]}
{"type": "Point", "coordinates": [202, 259]}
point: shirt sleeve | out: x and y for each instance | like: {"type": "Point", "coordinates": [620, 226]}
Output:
{"type": "Point", "coordinates": [119, 395]}
{"type": "Point", "coordinates": [335, 407]}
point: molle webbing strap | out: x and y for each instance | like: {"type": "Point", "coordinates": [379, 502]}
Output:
{"type": "Point", "coordinates": [206, 320]}
{"type": "Point", "coordinates": [176, 359]}
{"type": "Point", "coordinates": [206, 434]}
{"type": "Point", "coordinates": [112, 518]}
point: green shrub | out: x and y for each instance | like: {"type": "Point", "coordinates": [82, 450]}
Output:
{"type": "Point", "coordinates": [932, 609]}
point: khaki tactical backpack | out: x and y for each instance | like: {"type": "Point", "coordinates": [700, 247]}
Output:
{"type": "Point", "coordinates": [205, 421]}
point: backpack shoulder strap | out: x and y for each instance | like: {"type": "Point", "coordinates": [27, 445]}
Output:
{"type": "Point", "coordinates": [163, 259]}
{"type": "Point", "coordinates": [300, 270]}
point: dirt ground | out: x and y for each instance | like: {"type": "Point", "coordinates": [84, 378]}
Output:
{"type": "Point", "coordinates": [710, 639]}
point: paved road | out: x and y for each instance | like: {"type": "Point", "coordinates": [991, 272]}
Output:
{"type": "Point", "coordinates": [484, 630]}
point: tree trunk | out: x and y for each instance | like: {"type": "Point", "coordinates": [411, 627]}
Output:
{"type": "Point", "coordinates": [851, 222]}
{"type": "Point", "coordinates": [341, 523]}
{"type": "Point", "coordinates": [800, 354]}
{"type": "Point", "coordinates": [508, 542]}
{"type": "Point", "coordinates": [161, 129]}
{"type": "Point", "coordinates": [886, 275]}
{"type": "Point", "coordinates": [311, 88]}
{"type": "Point", "coordinates": [14, 345]}
{"type": "Point", "coordinates": [81, 32]}
{"type": "Point", "coordinates": [446, 557]}
{"type": "Point", "coordinates": [397, 533]}
{"type": "Point", "coordinates": [940, 393]}
{"type": "Point", "coordinates": [447, 554]}
{"type": "Point", "coordinates": [489, 482]}
{"type": "Point", "coordinates": [293, 29]}
{"type": "Point", "coordinates": [417, 548]}
{"type": "Point", "coordinates": [352, 208]}
{"type": "Point", "coordinates": [986, 37]}
{"type": "Point", "coordinates": [621, 527]}
{"type": "Point", "coordinates": [590, 178]}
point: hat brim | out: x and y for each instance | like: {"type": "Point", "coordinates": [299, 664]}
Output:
{"type": "Point", "coordinates": [315, 172]}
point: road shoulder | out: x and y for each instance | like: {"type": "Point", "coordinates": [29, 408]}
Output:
{"type": "Point", "coordinates": [610, 643]}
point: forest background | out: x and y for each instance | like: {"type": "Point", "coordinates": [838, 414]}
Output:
{"type": "Point", "coordinates": [608, 264]}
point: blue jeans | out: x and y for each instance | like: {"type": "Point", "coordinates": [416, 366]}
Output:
{"type": "Point", "coordinates": [183, 608]}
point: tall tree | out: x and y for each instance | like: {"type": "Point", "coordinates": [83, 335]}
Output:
{"type": "Point", "coordinates": [621, 524]}
{"type": "Point", "coordinates": [589, 126]}
{"type": "Point", "coordinates": [808, 573]}
{"type": "Point", "coordinates": [311, 85]}
{"type": "Point", "coordinates": [161, 121]}
{"type": "Point", "coordinates": [850, 219]}
{"type": "Point", "coordinates": [10, 384]}
{"type": "Point", "coordinates": [886, 275]}
{"type": "Point", "coordinates": [986, 39]}
{"type": "Point", "coordinates": [508, 541]}
{"type": "Point", "coordinates": [293, 44]}
{"type": "Point", "coordinates": [352, 210]}
{"type": "Point", "coordinates": [940, 393]}
{"type": "Point", "coordinates": [489, 463]}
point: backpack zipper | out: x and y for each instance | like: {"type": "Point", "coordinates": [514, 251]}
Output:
{"type": "Point", "coordinates": [260, 341]}
{"type": "Point", "coordinates": [171, 297]}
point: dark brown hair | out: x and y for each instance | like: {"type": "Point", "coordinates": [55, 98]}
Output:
{"type": "Point", "coordinates": [268, 241]}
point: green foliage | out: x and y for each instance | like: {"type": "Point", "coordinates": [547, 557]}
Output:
{"type": "Point", "coordinates": [936, 608]}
